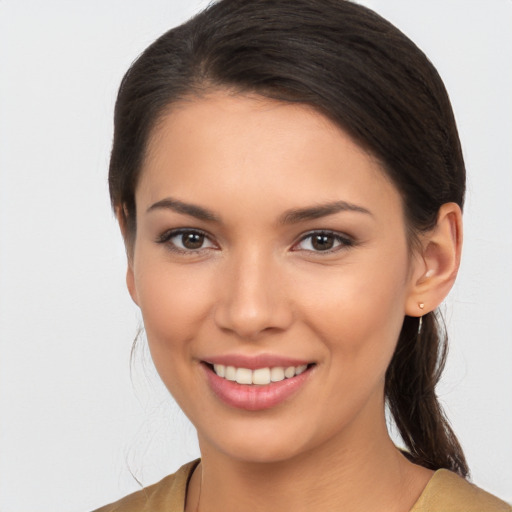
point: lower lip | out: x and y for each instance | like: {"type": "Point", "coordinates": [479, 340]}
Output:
{"type": "Point", "coordinates": [255, 397]}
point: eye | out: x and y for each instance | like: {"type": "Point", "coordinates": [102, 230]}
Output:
{"type": "Point", "coordinates": [186, 240]}
{"type": "Point", "coordinates": [323, 241]}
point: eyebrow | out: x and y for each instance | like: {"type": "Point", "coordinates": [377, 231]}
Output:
{"type": "Point", "coordinates": [322, 210]}
{"type": "Point", "coordinates": [186, 208]}
{"type": "Point", "coordinates": [289, 217]}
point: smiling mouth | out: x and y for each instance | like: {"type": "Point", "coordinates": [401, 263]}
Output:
{"type": "Point", "coordinates": [258, 376]}
{"type": "Point", "coordinates": [256, 388]}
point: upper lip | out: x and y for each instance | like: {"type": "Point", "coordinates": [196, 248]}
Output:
{"type": "Point", "coordinates": [253, 362]}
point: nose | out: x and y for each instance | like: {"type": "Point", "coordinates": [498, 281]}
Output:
{"type": "Point", "coordinates": [253, 296]}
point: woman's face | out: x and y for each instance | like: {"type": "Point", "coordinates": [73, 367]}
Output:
{"type": "Point", "coordinates": [269, 244]}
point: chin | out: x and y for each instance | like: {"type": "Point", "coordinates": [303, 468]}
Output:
{"type": "Point", "coordinates": [262, 452]}
{"type": "Point", "coordinates": [263, 440]}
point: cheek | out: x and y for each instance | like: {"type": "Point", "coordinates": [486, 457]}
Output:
{"type": "Point", "coordinates": [173, 303]}
{"type": "Point", "coordinates": [358, 310]}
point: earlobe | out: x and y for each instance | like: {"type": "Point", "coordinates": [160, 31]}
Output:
{"type": "Point", "coordinates": [437, 264]}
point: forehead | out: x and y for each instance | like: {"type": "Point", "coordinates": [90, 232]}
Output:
{"type": "Point", "coordinates": [252, 146]}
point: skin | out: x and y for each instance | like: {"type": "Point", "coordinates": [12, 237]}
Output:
{"type": "Point", "coordinates": [257, 285]}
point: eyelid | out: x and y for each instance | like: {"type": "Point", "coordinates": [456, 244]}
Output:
{"type": "Point", "coordinates": [165, 239]}
{"type": "Point", "coordinates": [345, 240]}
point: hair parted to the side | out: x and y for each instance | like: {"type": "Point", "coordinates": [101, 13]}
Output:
{"type": "Point", "coordinates": [371, 80]}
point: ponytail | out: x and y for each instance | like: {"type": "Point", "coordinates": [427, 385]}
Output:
{"type": "Point", "coordinates": [411, 378]}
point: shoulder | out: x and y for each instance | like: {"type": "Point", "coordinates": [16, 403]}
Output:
{"type": "Point", "coordinates": [448, 492]}
{"type": "Point", "coordinates": [167, 495]}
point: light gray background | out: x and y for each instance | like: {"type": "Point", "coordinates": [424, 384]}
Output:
{"type": "Point", "coordinates": [73, 427]}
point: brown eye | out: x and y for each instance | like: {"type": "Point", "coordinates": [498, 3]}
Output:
{"type": "Point", "coordinates": [186, 240]}
{"type": "Point", "coordinates": [192, 240]}
{"type": "Point", "coordinates": [322, 242]}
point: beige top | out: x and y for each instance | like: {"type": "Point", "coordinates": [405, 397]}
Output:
{"type": "Point", "coordinates": [445, 492]}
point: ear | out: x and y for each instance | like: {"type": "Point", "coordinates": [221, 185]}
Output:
{"type": "Point", "coordinates": [436, 263]}
{"type": "Point", "coordinates": [121, 215]}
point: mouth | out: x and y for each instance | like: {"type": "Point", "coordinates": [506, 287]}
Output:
{"type": "Point", "coordinates": [258, 376]}
{"type": "Point", "coordinates": [254, 389]}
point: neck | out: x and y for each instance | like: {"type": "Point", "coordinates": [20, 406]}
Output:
{"type": "Point", "coordinates": [361, 473]}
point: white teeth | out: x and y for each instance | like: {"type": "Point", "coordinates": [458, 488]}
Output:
{"type": "Point", "coordinates": [220, 370]}
{"type": "Point", "coordinates": [260, 376]}
{"type": "Point", "coordinates": [230, 373]}
{"type": "Point", "coordinates": [277, 374]}
{"type": "Point", "coordinates": [243, 376]}
{"type": "Point", "coordinates": [300, 369]}
{"type": "Point", "coordinates": [289, 372]}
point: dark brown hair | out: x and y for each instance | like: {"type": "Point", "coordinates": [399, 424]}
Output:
{"type": "Point", "coordinates": [370, 79]}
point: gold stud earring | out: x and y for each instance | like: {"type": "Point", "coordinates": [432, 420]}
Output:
{"type": "Point", "coordinates": [421, 305]}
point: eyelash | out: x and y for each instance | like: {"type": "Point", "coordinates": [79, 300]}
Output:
{"type": "Point", "coordinates": [344, 242]}
{"type": "Point", "coordinates": [167, 236]}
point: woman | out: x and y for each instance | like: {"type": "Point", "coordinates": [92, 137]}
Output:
{"type": "Point", "coordinates": [289, 182]}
